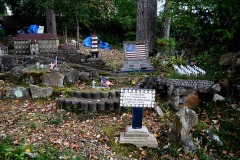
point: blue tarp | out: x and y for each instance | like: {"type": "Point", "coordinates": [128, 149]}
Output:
{"type": "Point", "coordinates": [88, 43]}
{"type": "Point", "coordinates": [31, 30]}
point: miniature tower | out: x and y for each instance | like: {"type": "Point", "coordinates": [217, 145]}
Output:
{"type": "Point", "coordinates": [94, 51]}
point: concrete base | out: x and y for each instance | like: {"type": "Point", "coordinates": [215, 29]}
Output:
{"type": "Point", "coordinates": [140, 137]}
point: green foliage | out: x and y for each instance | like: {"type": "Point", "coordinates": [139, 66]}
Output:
{"type": "Point", "coordinates": [165, 44]}
{"type": "Point", "coordinates": [206, 23]}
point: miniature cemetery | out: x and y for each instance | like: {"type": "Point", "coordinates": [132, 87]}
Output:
{"type": "Point", "coordinates": [84, 98]}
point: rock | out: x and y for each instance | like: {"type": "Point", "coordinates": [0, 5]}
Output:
{"type": "Point", "coordinates": [184, 121]}
{"type": "Point", "coordinates": [227, 59]}
{"type": "Point", "coordinates": [53, 79]}
{"type": "Point", "coordinates": [28, 80]}
{"type": "Point", "coordinates": [39, 92]}
{"type": "Point", "coordinates": [192, 100]}
{"type": "Point", "coordinates": [71, 77]}
{"type": "Point", "coordinates": [0, 94]}
{"type": "Point", "coordinates": [16, 73]}
{"type": "Point", "coordinates": [159, 111]}
{"type": "Point", "coordinates": [188, 144]}
{"type": "Point", "coordinates": [213, 137]}
{"type": "Point", "coordinates": [216, 87]}
{"type": "Point", "coordinates": [217, 97]}
{"type": "Point", "coordinates": [94, 75]}
{"type": "Point", "coordinates": [225, 84]}
{"type": "Point", "coordinates": [19, 92]}
{"type": "Point", "coordinates": [8, 62]}
{"type": "Point", "coordinates": [238, 62]}
{"type": "Point", "coordinates": [83, 76]}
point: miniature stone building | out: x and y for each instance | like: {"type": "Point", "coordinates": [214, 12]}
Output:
{"type": "Point", "coordinates": [44, 43]}
{"type": "Point", "coordinates": [3, 49]}
{"type": "Point", "coordinates": [67, 49]}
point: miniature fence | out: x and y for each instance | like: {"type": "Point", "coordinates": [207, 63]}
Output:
{"type": "Point", "coordinates": [188, 70]}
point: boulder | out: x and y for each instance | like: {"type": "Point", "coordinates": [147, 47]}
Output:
{"type": "Point", "coordinates": [212, 137]}
{"type": "Point", "coordinates": [227, 59]}
{"type": "Point", "coordinates": [83, 76]}
{"type": "Point", "coordinates": [53, 79]}
{"type": "Point", "coordinates": [16, 73]}
{"type": "Point", "coordinates": [8, 62]}
{"type": "Point", "coordinates": [71, 77]}
{"type": "Point", "coordinates": [217, 97]}
{"type": "Point", "coordinates": [183, 122]}
{"type": "Point", "coordinates": [159, 111]}
{"type": "Point", "coordinates": [19, 92]}
{"type": "Point", "coordinates": [94, 75]}
{"type": "Point", "coordinates": [39, 92]}
{"type": "Point", "coordinates": [192, 100]}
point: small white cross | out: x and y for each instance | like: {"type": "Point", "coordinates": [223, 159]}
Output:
{"type": "Point", "coordinates": [93, 83]}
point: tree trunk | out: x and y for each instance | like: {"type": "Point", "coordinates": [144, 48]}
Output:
{"type": "Point", "coordinates": [51, 22]}
{"type": "Point", "coordinates": [165, 28]}
{"type": "Point", "coordinates": [77, 33]}
{"type": "Point", "coordinates": [65, 35]}
{"type": "Point", "coordinates": [147, 23]}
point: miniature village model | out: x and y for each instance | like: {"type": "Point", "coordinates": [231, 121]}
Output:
{"type": "Point", "coordinates": [36, 43]}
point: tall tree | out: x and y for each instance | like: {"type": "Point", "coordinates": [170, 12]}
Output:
{"type": "Point", "coordinates": [51, 22]}
{"type": "Point", "coordinates": [166, 20]}
{"type": "Point", "coordinates": [147, 23]}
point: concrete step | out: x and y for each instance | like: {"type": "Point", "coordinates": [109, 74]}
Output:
{"type": "Point", "coordinates": [91, 105]}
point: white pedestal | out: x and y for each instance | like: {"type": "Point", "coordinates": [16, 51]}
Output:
{"type": "Point", "coordinates": [140, 137]}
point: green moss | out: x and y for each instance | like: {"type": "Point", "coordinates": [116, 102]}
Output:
{"type": "Point", "coordinates": [103, 73]}
{"type": "Point", "coordinates": [56, 91]}
{"type": "Point", "coordinates": [113, 131]}
{"type": "Point", "coordinates": [2, 76]}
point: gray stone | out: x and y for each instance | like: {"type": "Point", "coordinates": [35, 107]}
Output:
{"type": "Point", "coordinates": [71, 77]}
{"type": "Point", "coordinates": [19, 92]}
{"type": "Point", "coordinates": [28, 80]}
{"type": "Point", "coordinates": [213, 137]}
{"type": "Point", "coordinates": [16, 73]}
{"type": "Point", "coordinates": [53, 79]}
{"type": "Point", "coordinates": [217, 97]}
{"type": "Point", "coordinates": [159, 111]}
{"type": "Point", "coordinates": [183, 123]}
{"type": "Point", "coordinates": [39, 92]}
{"type": "Point", "coordinates": [140, 137]}
{"type": "Point", "coordinates": [83, 76]}
{"type": "Point", "coordinates": [216, 87]}
{"type": "Point", "coordinates": [94, 75]}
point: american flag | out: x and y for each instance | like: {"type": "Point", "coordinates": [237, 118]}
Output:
{"type": "Point", "coordinates": [106, 82]}
{"type": "Point", "coordinates": [54, 64]}
{"type": "Point", "coordinates": [136, 50]}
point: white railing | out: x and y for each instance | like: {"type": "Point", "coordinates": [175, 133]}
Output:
{"type": "Point", "coordinates": [188, 70]}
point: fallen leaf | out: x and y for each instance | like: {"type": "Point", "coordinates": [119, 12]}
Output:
{"type": "Point", "coordinates": [66, 143]}
{"type": "Point", "coordinates": [27, 150]}
{"type": "Point", "coordinates": [143, 153]}
{"type": "Point", "coordinates": [107, 147]}
{"type": "Point", "coordinates": [215, 121]}
{"type": "Point", "coordinates": [74, 146]}
{"type": "Point", "coordinates": [224, 152]}
{"type": "Point", "coordinates": [166, 156]}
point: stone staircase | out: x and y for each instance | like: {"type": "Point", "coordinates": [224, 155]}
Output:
{"type": "Point", "coordinates": [92, 101]}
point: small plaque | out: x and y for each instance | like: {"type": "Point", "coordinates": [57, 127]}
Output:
{"type": "Point", "coordinates": [137, 98]}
